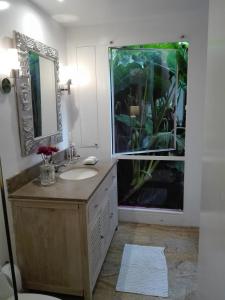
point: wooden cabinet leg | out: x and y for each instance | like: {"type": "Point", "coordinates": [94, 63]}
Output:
{"type": "Point", "coordinates": [87, 295]}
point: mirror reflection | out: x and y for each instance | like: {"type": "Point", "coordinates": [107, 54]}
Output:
{"type": "Point", "coordinates": [43, 90]}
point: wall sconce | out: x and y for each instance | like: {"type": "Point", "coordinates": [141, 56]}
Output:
{"type": "Point", "coordinates": [8, 62]}
{"type": "Point", "coordinates": [69, 75]}
{"type": "Point", "coordinates": [65, 81]}
{"type": "Point", "coordinates": [65, 86]}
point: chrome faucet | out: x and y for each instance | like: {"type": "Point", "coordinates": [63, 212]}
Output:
{"type": "Point", "coordinates": [72, 153]}
{"type": "Point", "coordinates": [59, 166]}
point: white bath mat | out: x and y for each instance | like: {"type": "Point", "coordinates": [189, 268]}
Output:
{"type": "Point", "coordinates": [143, 271]}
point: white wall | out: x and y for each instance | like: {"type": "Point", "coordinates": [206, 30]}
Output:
{"type": "Point", "coordinates": [212, 230]}
{"type": "Point", "coordinates": [160, 28]}
{"type": "Point", "coordinates": [25, 18]}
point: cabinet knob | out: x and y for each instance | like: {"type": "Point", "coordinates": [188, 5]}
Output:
{"type": "Point", "coordinates": [102, 236]}
{"type": "Point", "coordinates": [96, 206]}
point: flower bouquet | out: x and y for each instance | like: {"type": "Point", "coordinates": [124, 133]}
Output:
{"type": "Point", "coordinates": [47, 170]}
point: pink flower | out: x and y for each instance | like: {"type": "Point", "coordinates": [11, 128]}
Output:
{"type": "Point", "coordinates": [53, 149]}
{"type": "Point", "coordinates": [46, 152]}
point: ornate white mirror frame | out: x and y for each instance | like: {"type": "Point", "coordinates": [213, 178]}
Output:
{"type": "Point", "coordinates": [29, 143]}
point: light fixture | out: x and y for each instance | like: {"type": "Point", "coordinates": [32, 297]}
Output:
{"type": "Point", "coordinates": [60, 0]}
{"type": "Point", "coordinates": [82, 76]}
{"type": "Point", "coordinates": [66, 86]}
{"type": "Point", "coordinates": [4, 5]}
{"type": "Point", "coordinates": [65, 78]}
{"type": "Point", "coordinates": [66, 18]}
{"type": "Point", "coordinates": [68, 75]}
{"type": "Point", "coordinates": [134, 110]}
{"type": "Point", "coordinates": [8, 62]}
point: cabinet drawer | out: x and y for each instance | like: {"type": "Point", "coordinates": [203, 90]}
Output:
{"type": "Point", "coordinates": [110, 179]}
{"type": "Point", "coordinates": [94, 205]}
{"type": "Point", "coordinates": [101, 194]}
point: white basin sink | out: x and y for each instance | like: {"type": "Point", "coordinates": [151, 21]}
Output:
{"type": "Point", "coordinates": [79, 174]}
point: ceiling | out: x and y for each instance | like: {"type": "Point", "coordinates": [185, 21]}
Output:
{"type": "Point", "coordinates": [92, 12]}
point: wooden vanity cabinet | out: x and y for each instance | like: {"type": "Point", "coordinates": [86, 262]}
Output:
{"type": "Point", "coordinates": [61, 245]}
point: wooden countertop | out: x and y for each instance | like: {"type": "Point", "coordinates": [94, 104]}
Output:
{"type": "Point", "coordinates": [79, 190]}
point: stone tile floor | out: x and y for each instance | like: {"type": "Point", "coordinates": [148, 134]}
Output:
{"type": "Point", "coordinates": [181, 253]}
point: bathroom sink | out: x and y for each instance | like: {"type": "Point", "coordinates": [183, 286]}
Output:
{"type": "Point", "coordinates": [78, 174]}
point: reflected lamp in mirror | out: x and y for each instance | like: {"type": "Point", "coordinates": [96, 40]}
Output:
{"type": "Point", "coordinates": [65, 78]}
{"type": "Point", "coordinates": [134, 110]}
{"type": "Point", "coordinates": [8, 63]}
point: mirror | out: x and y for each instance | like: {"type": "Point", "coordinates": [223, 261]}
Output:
{"type": "Point", "coordinates": [43, 91]}
{"type": "Point", "coordinates": [38, 94]}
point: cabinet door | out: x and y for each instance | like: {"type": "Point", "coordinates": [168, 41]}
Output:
{"type": "Point", "coordinates": [48, 246]}
{"type": "Point", "coordinates": [113, 206]}
{"type": "Point", "coordinates": [99, 239]}
{"type": "Point", "coordinates": [105, 225]}
{"type": "Point", "coordinates": [95, 246]}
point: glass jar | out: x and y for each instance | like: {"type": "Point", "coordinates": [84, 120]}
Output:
{"type": "Point", "coordinates": [47, 174]}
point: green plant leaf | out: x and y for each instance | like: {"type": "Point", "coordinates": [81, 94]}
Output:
{"type": "Point", "coordinates": [149, 126]}
{"type": "Point", "coordinates": [127, 120]}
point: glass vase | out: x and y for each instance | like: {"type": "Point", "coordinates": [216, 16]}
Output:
{"type": "Point", "coordinates": [47, 174]}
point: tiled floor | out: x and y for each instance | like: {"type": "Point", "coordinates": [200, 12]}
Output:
{"type": "Point", "coordinates": [181, 253]}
